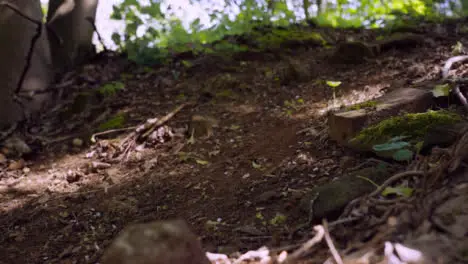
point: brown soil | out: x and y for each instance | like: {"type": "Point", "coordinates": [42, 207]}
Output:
{"type": "Point", "coordinates": [261, 156]}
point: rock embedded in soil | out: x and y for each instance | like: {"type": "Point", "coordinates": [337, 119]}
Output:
{"type": "Point", "coordinates": [332, 197]}
{"type": "Point", "coordinates": [344, 125]}
{"type": "Point", "coordinates": [161, 242]}
{"type": "Point", "coordinates": [443, 136]}
{"type": "Point", "coordinates": [352, 52]}
{"type": "Point", "coordinates": [202, 126]}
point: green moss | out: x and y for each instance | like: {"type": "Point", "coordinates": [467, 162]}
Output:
{"type": "Point", "coordinates": [117, 121]}
{"type": "Point", "coordinates": [110, 89]}
{"type": "Point", "coordinates": [415, 126]}
{"type": "Point", "coordinates": [279, 37]}
{"type": "Point", "coordinates": [364, 105]}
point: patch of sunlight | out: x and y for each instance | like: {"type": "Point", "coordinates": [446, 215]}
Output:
{"type": "Point", "coordinates": [243, 109]}
{"type": "Point", "coordinates": [370, 92]}
{"type": "Point", "coordinates": [319, 109]}
{"type": "Point", "coordinates": [43, 182]}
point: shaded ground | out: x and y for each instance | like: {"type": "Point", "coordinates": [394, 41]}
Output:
{"type": "Point", "coordinates": [270, 146]}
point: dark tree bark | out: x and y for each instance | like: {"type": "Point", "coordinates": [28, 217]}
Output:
{"type": "Point", "coordinates": [32, 53]}
{"type": "Point", "coordinates": [69, 19]}
{"type": "Point", "coordinates": [17, 30]}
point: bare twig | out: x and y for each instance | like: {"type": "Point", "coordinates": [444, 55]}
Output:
{"type": "Point", "coordinates": [450, 62]}
{"type": "Point", "coordinates": [395, 178]}
{"type": "Point", "coordinates": [445, 71]}
{"type": "Point", "coordinates": [93, 137]}
{"type": "Point", "coordinates": [329, 241]}
{"type": "Point", "coordinates": [261, 253]}
{"type": "Point", "coordinates": [344, 220]}
{"type": "Point", "coordinates": [306, 246]}
{"type": "Point", "coordinates": [147, 130]}
{"type": "Point", "coordinates": [163, 120]}
{"type": "Point", "coordinates": [460, 96]}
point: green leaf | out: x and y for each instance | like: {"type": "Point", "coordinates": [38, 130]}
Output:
{"type": "Point", "coordinates": [400, 191]}
{"type": "Point", "coordinates": [398, 138]}
{"type": "Point", "coordinates": [457, 49]}
{"type": "Point", "coordinates": [202, 162]}
{"type": "Point", "coordinates": [183, 156]}
{"type": "Point", "coordinates": [116, 38]}
{"type": "Point", "coordinates": [418, 146]}
{"type": "Point", "coordinates": [154, 10]}
{"type": "Point", "coordinates": [279, 219]}
{"type": "Point", "coordinates": [390, 146]}
{"type": "Point", "coordinates": [441, 90]}
{"type": "Point", "coordinates": [333, 84]}
{"type": "Point", "coordinates": [116, 13]}
{"type": "Point", "coordinates": [256, 165]}
{"type": "Point", "coordinates": [259, 215]}
{"type": "Point", "coordinates": [403, 155]}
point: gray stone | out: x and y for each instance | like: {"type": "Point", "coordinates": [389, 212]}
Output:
{"type": "Point", "coordinates": [164, 242]}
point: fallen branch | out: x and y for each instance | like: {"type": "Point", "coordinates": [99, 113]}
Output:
{"type": "Point", "coordinates": [460, 96]}
{"type": "Point", "coordinates": [330, 244]}
{"type": "Point", "coordinates": [93, 137]}
{"type": "Point", "coordinates": [448, 65]}
{"type": "Point", "coordinates": [162, 121]}
{"type": "Point", "coordinates": [143, 131]}
{"type": "Point", "coordinates": [304, 249]}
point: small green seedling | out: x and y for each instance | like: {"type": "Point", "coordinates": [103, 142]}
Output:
{"type": "Point", "coordinates": [334, 85]}
{"type": "Point", "coordinates": [279, 219]}
{"type": "Point", "coordinates": [292, 105]}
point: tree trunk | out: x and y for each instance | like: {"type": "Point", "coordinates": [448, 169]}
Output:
{"type": "Point", "coordinates": [17, 33]}
{"type": "Point", "coordinates": [70, 21]}
{"type": "Point", "coordinates": [305, 6]}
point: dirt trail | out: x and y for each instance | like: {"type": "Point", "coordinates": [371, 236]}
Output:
{"type": "Point", "coordinates": [259, 159]}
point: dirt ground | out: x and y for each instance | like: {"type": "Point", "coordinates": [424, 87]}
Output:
{"type": "Point", "coordinates": [66, 202]}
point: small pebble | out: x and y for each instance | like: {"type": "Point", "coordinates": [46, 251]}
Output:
{"type": "Point", "coordinates": [77, 142]}
{"type": "Point", "coordinates": [16, 165]}
{"type": "Point", "coordinates": [3, 159]}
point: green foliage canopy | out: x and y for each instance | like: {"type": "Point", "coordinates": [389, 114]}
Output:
{"type": "Point", "coordinates": [153, 30]}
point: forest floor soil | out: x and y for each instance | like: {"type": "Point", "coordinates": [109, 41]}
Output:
{"type": "Point", "coordinates": [67, 202]}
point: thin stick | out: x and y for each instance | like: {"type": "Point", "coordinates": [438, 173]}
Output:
{"type": "Point", "coordinates": [450, 62]}
{"type": "Point", "coordinates": [460, 96]}
{"type": "Point", "coordinates": [163, 120]}
{"type": "Point", "coordinates": [395, 178]}
{"type": "Point", "coordinates": [111, 131]}
{"type": "Point", "coordinates": [306, 246]}
{"type": "Point", "coordinates": [329, 241]}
